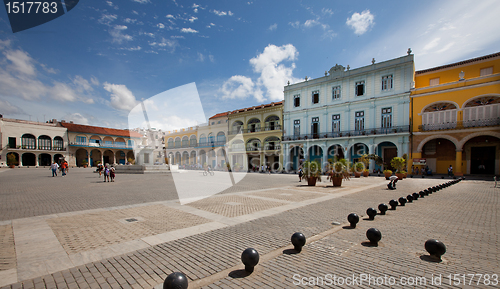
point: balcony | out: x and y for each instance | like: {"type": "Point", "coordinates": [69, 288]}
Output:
{"type": "Point", "coordinates": [252, 130]}
{"type": "Point", "coordinates": [101, 145]}
{"type": "Point", "coordinates": [460, 124]}
{"type": "Point", "coordinates": [211, 144]}
{"type": "Point", "coordinates": [350, 133]}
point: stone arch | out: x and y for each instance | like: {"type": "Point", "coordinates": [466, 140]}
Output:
{"type": "Point", "coordinates": [185, 141]}
{"type": "Point", "coordinates": [495, 96]}
{"type": "Point", "coordinates": [462, 142]}
{"type": "Point", "coordinates": [44, 142]}
{"type": "Point", "coordinates": [177, 142]}
{"type": "Point", "coordinates": [425, 140]}
{"type": "Point", "coordinates": [438, 102]}
{"type": "Point", "coordinates": [28, 159]}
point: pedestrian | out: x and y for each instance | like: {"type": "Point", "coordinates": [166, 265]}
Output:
{"type": "Point", "coordinates": [54, 168]}
{"type": "Point", "coordinates": [112, 173]}
{"type": "Point", "coordinates": [268, 169]}
{"type": "Point", "coordinates": [106, 173]}
{"type": "Point", "coordinates": [100, 168]}
{"type": "Point", "coordinates": [64, 167]}
{"type": "Point", "coordinates": [450, 171]}
{"type": "Point", "coordinates": [301, 173]}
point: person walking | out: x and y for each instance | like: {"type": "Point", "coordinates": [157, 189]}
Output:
{"type": "Point", "coordinates": [99, 168]}
{"type": "Point", "coordinates": [450, 171]}
{"type": "Point", "coordinates": [106, 173]}
{"type": "Point", "coordinates": [112, 173]}
{"type": "Point", "coordinates": [64, 167]}
{"type": "Point", "coordinates": [54, 168]}
{"type": "Point", "coordinates": [301, 173]}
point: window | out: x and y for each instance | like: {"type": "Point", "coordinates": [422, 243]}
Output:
{"type": "Point", "coordinates": [336, 92]}
{"type": "Point", "coordinates": [213, 122]}
{"type": "Point", "coordinates": [315, 96]}
{"type": "Point", "coordinates": [130, 143]}
{"type": "Point", "coordinates": [12, 142]}
{"type": "Point", "coordinates": [486, 71]}
{"type": "Point", "coordinates": [296, 127]}
{"type": "Point", "coordinates": [296, 100]}
{"type": "Point", "coordinates": [386, 117]}
{"type": "Point", "coordinates": [387, 82]}
{"type": "Point", "coordinates": [315, 126]}
{"type": "Point", "coordinates": [359, 121]}
{"type": "Point", "coordinates": [28, 141]}
{"type": "Point", "coordinates": [434, 81]}
{"type": "Point", "coordinates": [360, 88]}
{"type": "Point", "coordinates": [336, 123]}
{"type": "Point", "coordinates": [218, 122]}
{"type": "Point", "coordinates": [81, 140]}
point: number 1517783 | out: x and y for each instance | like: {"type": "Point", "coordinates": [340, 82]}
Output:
{"type": "Point", "coordinates": [31, 7]}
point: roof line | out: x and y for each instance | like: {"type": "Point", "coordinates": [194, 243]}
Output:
{"type": "Point", "coordinates": [459, 63]}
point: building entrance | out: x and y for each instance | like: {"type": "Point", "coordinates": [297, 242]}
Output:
{"type": "Point", "coordinates": [483, 160]}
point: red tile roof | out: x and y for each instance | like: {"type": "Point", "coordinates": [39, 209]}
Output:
{"type": "Point", "coordinates": [459, 63]}
{"type": "Point", "coordinates": [257, 107]}
{"type": "Point", "coordinates": [220, 114]}
{"type": "Point", "coordinates": [72, 127]}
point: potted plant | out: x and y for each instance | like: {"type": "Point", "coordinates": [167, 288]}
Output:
{"type": "Point", "coordinates": [11, 160]}
{"type": "Point", "coordinates": [387, 174]}
{"type": "Point", "coordinates": [359, 167]}
{"type": "Point", "coordinates": [399, 164]}
{"type": "Point", "coordinates": [85, 163]}
{"type": "Point", "coordinates": [365, 159]}
{"type": "Point", "coordinates": [131, 161]}
{"type": "Point", "coordinates": [339, 171]}
{"type": "Point", "coordinates": [311, 172]}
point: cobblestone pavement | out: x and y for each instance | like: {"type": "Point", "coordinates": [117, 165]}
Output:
{"type": "Point", "coordinates": [464, 216]}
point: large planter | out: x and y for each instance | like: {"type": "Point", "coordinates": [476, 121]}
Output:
{"type": "Point", "coordinates": [400, 176]}
{"type": "Point", "coordinates": [311, 181]}
{"type": "Point", "coordinates": [357, 175]}
{"type": "Point", "coordinates": [12, 166]}
{"type": "Point", "coordinates": [404, 175]}
{"type": "Point", "coordinates": [366, 173]}
{"type": "Point", "coordinates": [387, 175]}
{"type": "Point", "coordinates": [337, 181]}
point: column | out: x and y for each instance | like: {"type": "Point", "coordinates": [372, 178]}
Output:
{"type": "Point", "coordinates": [458, 164]}
{"type": "Point", "coordinates": [371, 150]}
{"type": "Point", "coordinates": [37, 160]}
{"type": "Point", "coordinates": [262, 160]}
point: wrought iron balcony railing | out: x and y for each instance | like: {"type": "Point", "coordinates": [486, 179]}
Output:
{"type": "Point", "coordinates": [349, 133]}
{"type": "Point", "coordinates": [460, 124]}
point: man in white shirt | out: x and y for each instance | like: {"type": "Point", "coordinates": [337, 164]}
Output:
{"type": "Point", "coordinates": [54, 168]}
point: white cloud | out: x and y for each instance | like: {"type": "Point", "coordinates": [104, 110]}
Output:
{"type": "Point", "coordinates": [434, 42]}
{"type": "Point", "coordinates": [94, 80]}
{"type": "Point", "coordinates": [273, 27]}
{"type": "Point", "coordinates": [137, 48]}
{"type": "Point", "coordinates": [310, 23]}
{"type": "Point", "coordinates": [118, 36]}
{"type": "Point", "coordinates": [76, 118]}
{"type": "Point", "coordinates": [4, 43]}
{"type": "Point", "coordinates": [239, 86]}
{"type": "Point", "coordinates": [295, 24]}
{"type": "Point", "coordinates": [160, 25]}
{"type": "Point", "coordinates": [7, 108]}
{"type": "Point", "coordinates": [273, 75]}
{"type": "Point", "coordinates": [192, 19]}
{"type": "Point", "coordinates": [188, 30]}
{"type": "Point", "coordinates": [201, 57]}
{"type": "Point", "coordinates": [63, 92]}
{"type": "Point", "coordinates": [361, 22]}
{"type": "Point", "coordinates": [109, 3]}
{"type": "Point", "coordinates": [327, 11]}
{"type": "Point", "coordinates": [222, 13]}
{"type": "Point", "coordinates": [211, 58]}
{"type": "Point", "coordinates": [121, 97]}
{"type": "Point", "coordinates": [21, 61]}
{"type": "Point", "coordinates": [82, 84]}
{"type": "Point", "coordinates": [142, 1]}
{"type": "Point", "coordinates": [170, 16]}
{"type": "Point", "coordinates": [210, 25]}
{"type": "Point", "coordinates": [106, 19]}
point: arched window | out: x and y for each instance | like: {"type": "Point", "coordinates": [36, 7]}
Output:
{"type": "Point", "coordinates": [254, 125]}
{"type": "Point", "coordinates": [185, 141]}
{"type": "Point", "coordinates": [58, 143]}
{"type": "Point", "coordinates": [272, 122]}
{"type": "Point", "coordinates": [28, 141]}
{"type": "Point", "coordinates": [170, 143]}
{"type": "Point", "coordinates": [177, 142]}
{"type": "Point", "coordinates": [203, 139]}
{"type": "Point", "coordinates": [192, 141]}
{"type": "Point", "coordinates": [272, 143]}
{"type": "Point", "coordinates": [237, 127]}
{"type": "Point", "coordinates": [253, 145]}
{"type": "Point", "coordinates": [44, 143]}
{"type": "Point", "coordinates": [221, 138]}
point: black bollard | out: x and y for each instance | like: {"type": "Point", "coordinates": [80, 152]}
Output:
{"type": "Point", "coordinates": [422, 194]}
{"type": "Point", "coordinates": [402, 201]}
{"type": "Point", "coordinates": [176, 280]}
{"type": "Point", "coordinates": [435, 248]}
{"type": "Point", "coordinates": [415, 196]}
{"type": "Point", "coordinates": [409, 198]}
{"type": "Point", "coordinates": [371, 212]}
{"type": "Point", "coordinates": [353, 219]}
{"type": "Point", "coordinates": [298, 241]}
{"type": "Point", "coordinates": [382, 208]}
{"type": "Point", "coordinates": [374, 236]}
{"type": "Point", "coordinates": [250, 258]}
{"type": "Point", "coordinates": [393, 204]}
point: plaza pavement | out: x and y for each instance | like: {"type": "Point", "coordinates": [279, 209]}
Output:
{"type": "Point", "coordinates": [78, 232]}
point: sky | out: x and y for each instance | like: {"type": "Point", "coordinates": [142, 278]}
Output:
{"type": "Point", "coordinates": [96, 63]}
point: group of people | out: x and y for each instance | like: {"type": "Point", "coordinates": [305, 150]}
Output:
{"type": "Point", "coordinates": [108, 172]}
{"type": "Point", "coordinates": [63, 168]}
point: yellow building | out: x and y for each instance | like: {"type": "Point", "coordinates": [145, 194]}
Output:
{"type": "Point", "coordinates": [180, 146]}
{"type": "Point", "coordinates": [261, 128]}
{"type": "Point", "coordinates": [455, 117]}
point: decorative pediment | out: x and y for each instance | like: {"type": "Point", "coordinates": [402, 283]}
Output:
{"type": "Point", "coordinates": [336, 69]}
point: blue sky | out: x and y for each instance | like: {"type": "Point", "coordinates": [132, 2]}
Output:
{"type": "Point", "coordinates": [96, 62]}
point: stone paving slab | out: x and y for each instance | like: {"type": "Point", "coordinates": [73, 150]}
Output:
{"type": "Point", "coordinates": [7, 251]}
{"type": "Point", "coordinates": [204, 254]}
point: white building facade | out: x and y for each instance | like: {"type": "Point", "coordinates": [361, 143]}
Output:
{"type": "Point", "coordinates": [348, 113]}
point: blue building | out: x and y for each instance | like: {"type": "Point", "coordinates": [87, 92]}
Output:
{"type": "Point", "coordinates": [348, 113]}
